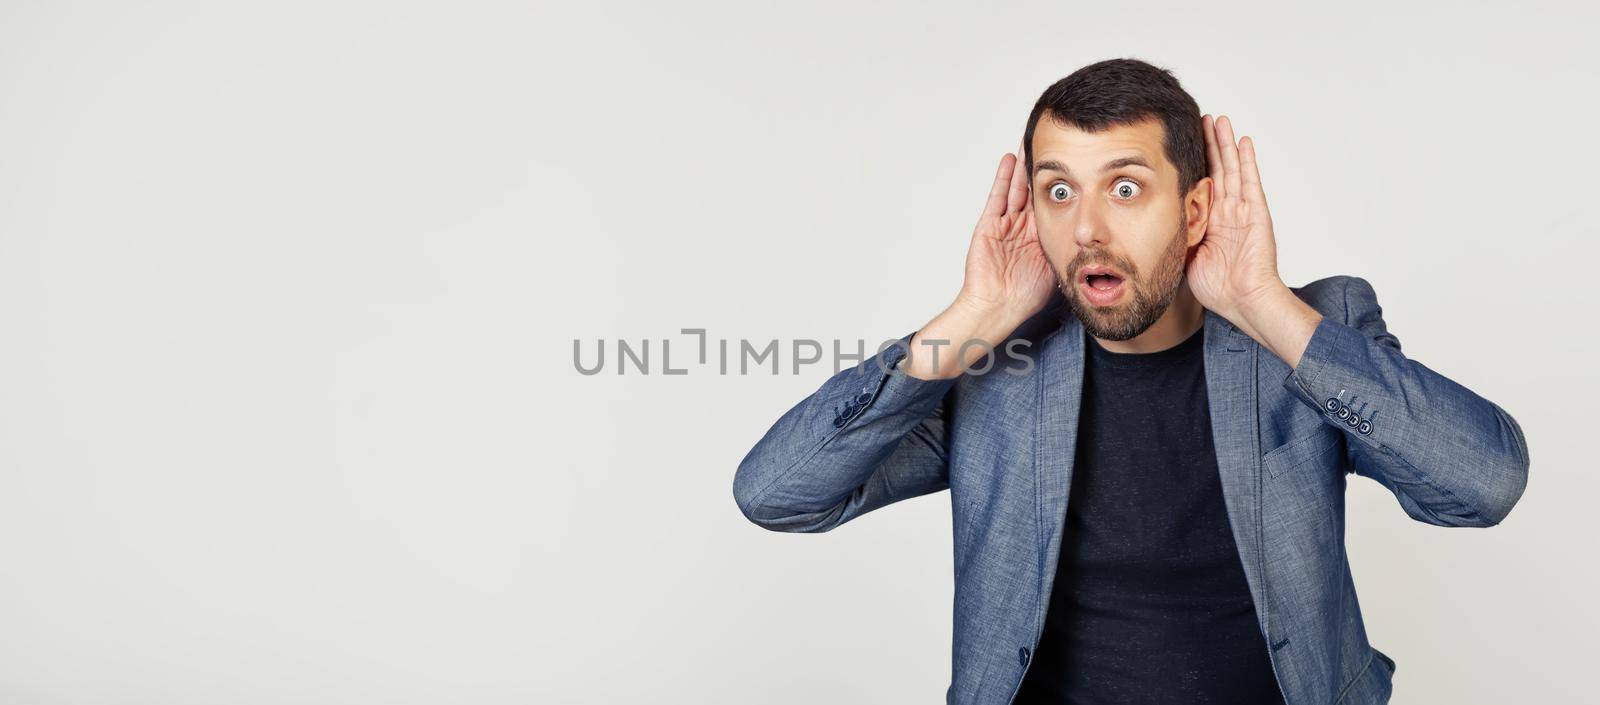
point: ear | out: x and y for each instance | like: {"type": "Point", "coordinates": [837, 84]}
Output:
{"type": "Point", "coordinates": [1197, 210]}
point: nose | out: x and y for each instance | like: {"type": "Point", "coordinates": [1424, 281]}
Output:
{"type": "Point", "coordinates": [1089, 226]}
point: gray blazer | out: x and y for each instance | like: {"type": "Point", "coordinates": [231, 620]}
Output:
{"type": "Point", "coordinates": [1286, 439]}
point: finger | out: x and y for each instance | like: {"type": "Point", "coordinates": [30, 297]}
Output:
{"type": "Point", "coordinates": [1250, 173]}
{"type": "Point", "coordinates": [1021, 225]}
{"type": "Point", "coordinates": [1019, 185]}
{"type": "Point", "coordinates": [1230, 156]}
{"type": "Point", "coordinates": [996, 205]}
{"type": "Point", "coordinates": [1213, 157]}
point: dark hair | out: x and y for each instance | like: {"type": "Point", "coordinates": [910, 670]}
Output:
{"type": "Point", "coordinates": [1123, 92]}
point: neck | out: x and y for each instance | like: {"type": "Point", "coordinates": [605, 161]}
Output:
{"type": "Point", "coordinates": [1181, 319]}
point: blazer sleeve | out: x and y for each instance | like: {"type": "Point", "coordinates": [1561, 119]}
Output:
{"type": "Point", "coordinates": [1450, 456]}
{"type": "Point", "coordinates": [870, 436]}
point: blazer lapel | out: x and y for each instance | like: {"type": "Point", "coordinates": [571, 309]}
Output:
{"type": "Point", "coordinates": [1230, 369]}
{"type": "Point", "coordinates": [1231, 389]}
{"type": "Point", "coordinates": [1060, 393]}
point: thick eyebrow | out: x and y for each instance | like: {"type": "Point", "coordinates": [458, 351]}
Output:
{"type": "Point", "coordinates": [1053, 165]}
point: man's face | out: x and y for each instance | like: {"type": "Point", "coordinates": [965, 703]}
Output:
{"type": "Point", "coordinates": [1110, 200]}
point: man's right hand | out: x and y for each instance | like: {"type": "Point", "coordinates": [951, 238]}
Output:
{"type": "Point", "coordinates": [1008, 279]}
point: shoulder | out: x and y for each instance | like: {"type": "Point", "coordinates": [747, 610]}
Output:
{"type": "Point", "coordinates": [1342, 297]}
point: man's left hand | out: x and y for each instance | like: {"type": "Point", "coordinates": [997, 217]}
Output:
{"type": "Point", "coordinates": [1235, 268]}
{"type": "Point", "coordinates": [1236, 262]}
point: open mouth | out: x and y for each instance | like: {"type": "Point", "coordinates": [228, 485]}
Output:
{"type": "Point", "coordinates": [1103, 282]}
{"type": "Point", "coordinates": [1102, 286]}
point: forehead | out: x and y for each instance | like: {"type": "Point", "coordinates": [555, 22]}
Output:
{"type": "Point", "coordinates": [1084, 152]}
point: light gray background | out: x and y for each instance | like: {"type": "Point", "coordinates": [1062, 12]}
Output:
{"type": "Point", "coordinates": [287, 405]}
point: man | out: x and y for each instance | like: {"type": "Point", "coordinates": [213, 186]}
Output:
{"type": "Point", "coordinates": [1122, 338]}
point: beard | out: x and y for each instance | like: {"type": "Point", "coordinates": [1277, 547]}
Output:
{"type": "Point", "coordinates": [1144, 302]}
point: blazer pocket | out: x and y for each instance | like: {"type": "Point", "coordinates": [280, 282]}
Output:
{"type": "Point", "coordinates": [1299, 451]}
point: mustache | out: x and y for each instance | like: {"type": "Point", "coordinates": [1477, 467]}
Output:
{"type": "Point", "coordinates": [1080, 262]}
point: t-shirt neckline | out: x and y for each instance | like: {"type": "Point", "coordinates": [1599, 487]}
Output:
{"type": "Point", "coordinates": [1172, 354]}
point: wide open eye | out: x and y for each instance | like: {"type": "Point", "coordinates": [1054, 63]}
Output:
{"type": "Point", "coordinates": [1060, 192]}
{"type": "Point", "coordinates": [1126, 189]}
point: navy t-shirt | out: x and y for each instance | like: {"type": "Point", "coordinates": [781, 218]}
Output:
{"type": "Point", "coordinates": [1150, 603]}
